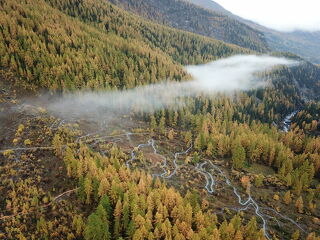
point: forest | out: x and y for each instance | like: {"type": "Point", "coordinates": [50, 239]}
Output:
{"type": "Point", "coordinates": [69, 54]}
{"type": "Point", "coordinates": [223, 166]}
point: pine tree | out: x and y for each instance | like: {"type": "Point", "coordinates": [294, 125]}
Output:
{"type": "Point", "coordinates": [251, 230]}
{"type": "Point", "coordinates": [131, 229]}
{"type": "Point", "coordinates": [288, 179]}
{"type": "Point", "coordinates": [68, 160]}
{"type": "Point", "coordinates": [57, 144]}
{"type": "Point", "coordinates": [258, 181]}
{"type": "Point", "coordinates": [295, 235]}
{"type": "Point", "coordinates": [209, 149]}
{"type": "Point", "coordinates": [195, 158]}
{"type": "Point", "coordinates": [299, 205]}
{"type": "Point", "coordinates": [238, 235]}
{"type": "Point", "coordinates": [162, 125]}
{"type": "Point", "coordinates": [81, 190]}
{"type": "Point", "coordinates": [78, 225]}
{"type": "Point", "coordinates": [125, 215]}
{"type": "Point", "coordinates": [175, 119]}
{"type": "Point", "coordinates": [88, 188]}
{"type": "Point", "coordinates": [236, 221]}
{"type": "Point", "coordinates": [103, 187]}
{"type": "Point", "coordinates": [102, 213]}
{"type": "Point", "coordinates": [287, 198]}
{"type": "Point", "coordinates": [171, 134]}
{"type": "Point", "coordinates": [42, 228]}
{"type": "Point", "coordinates": [238, 156]}
{"type": "Point", "coordinates": [188, 138]}
{"type": "Point", "coordinates": [117, 219]}
{"type": "Point", "coordinates": [105, 202]}
{"type": "Point", "coordinates": [153, 123]}
{"type": "Point", "coordinates": [96, 228]}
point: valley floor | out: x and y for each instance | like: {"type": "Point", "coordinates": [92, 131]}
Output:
{"type": "Point", "coordinates": [36, 186]}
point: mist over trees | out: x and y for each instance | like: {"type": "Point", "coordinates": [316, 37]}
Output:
{"type": "Point", "coordinates": [71, 179]}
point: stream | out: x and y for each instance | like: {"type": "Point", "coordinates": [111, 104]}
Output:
{"type": "Point", "coordinates": [249, 202]}
{"type": "Point", "coordinates": [205, 168]}
{"type": "Point", "coordinates": [287, 121]}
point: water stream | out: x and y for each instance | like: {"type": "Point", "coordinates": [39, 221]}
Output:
{"type": "Point", "coordinates": [287, 121]}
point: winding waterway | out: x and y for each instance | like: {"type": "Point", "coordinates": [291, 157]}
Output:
{"type": "Point", "coordinates": [245, 203]}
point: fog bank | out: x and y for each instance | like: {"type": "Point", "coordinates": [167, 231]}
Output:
{"type": "Point", "coordinates": [225, 75]}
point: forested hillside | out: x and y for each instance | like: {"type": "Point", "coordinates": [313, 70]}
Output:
{"type": "Point", "coordinates": [183, 15]}
{"type": "Point", "coordinates": [223, 166]}
{"type": "Point", "coordinates": [103, 47]}
{"type": "Point", "coordinates": [304, 75]}
{"type": "Point", "coordinates": [308, 118]}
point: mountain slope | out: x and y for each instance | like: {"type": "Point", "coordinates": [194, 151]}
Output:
{"type": "Point", "coordinates": [212, 6]}
{"type": "Point", "coordinates": [305, 44]}
{"type": "Point", "coordinates": [182, 15]}
{"type": "Point", "coordinates": [65, 53]}
{"type": "Point", "coordinates": [305, 77]}
{"type": "Point", "coordinates": [215, 167]}
{"type": "Point", "coordinates": [108, 49]}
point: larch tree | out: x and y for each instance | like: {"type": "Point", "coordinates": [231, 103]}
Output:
{"type": "Point", "coordinates": [117, 219]}
{"type": "Point", "coordinates": [238, 156]}
{"type": "Point", "coordinates": [287, 198]}
{"type": "Point", "coordinates": [299, 204]}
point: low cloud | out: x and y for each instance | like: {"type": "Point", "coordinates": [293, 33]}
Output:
{"type": "Point", "coordinates": [233, 73]}
{"type": "Point", "coordinates": [225, 75]}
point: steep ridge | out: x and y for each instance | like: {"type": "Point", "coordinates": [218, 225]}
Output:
{"type": "Point", "coordinates": [182, 15]}
{"type": "Point", "coordinates": [305, 44]}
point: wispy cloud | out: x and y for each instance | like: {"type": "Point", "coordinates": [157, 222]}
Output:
{"type": "Point", "coordinates": [226, 75]}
